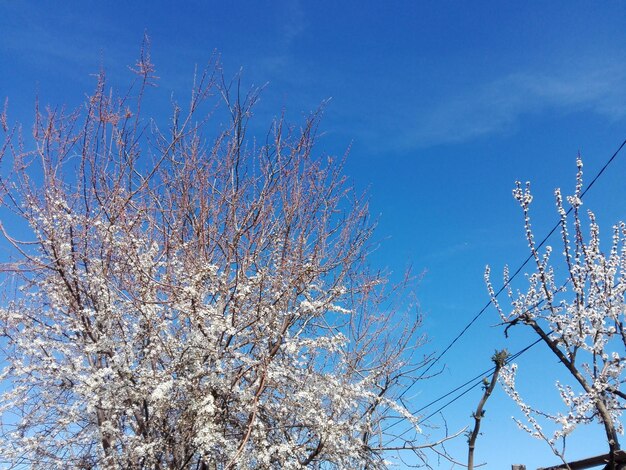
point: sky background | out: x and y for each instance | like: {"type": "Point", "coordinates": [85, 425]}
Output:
{"type": "Point", "coordinates": [444, 105]}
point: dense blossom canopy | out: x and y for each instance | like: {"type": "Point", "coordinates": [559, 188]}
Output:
{"type": "Point", "coordinates": [191, 300]}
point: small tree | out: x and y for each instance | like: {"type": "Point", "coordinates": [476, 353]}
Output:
{"type": "Point", "coordinates": [192, 301]}
{"type": "Point", "coordinates": [499, 360]}
{"type": "Point", "coordinates": [580, 317]}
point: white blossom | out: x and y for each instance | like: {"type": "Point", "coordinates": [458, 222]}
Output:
{"type": "Point", "coordinates": [184, 304]}
{"type": "Point", "coordinates": [577, 307]}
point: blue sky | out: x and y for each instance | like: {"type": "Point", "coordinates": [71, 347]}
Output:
{"type": "Point", "coordinates": [444, 104]}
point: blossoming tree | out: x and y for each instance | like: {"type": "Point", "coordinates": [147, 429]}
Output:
{"type": "Point", "coordinates": [579, 316]}
{"type": "Point", "coordinates": [188, 300]}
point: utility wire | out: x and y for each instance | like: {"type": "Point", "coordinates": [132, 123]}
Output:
{"type": "Point", "coordinates": [477, 379]}
{"type": "Point", "coordinates": [473, 320]}
{"type": "Point", "coordinates": [509, 359]}
{"type": "Point", "coordinates": [515, 274]}
{"type": "Point", "coordinates": [448, 403]}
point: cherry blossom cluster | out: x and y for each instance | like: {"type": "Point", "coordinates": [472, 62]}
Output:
{"type": "Point", "coordinates": [577, 307]}
{"type": "Point", "coordinates": [192, 300]}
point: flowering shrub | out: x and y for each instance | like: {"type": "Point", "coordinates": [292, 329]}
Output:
{"type": "Point", "coordinates": [189, 300]}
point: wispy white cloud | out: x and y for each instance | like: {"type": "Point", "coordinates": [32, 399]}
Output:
{"type": "Point", "coordinates": [62, 42]}
{"type": "Point", "coordinates": [294, 23]}
{"type": "Point", "coordinates": [446, 253]}
{"type": "Point", "coordinates": [496, 107]}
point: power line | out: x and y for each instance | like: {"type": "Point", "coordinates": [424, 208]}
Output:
{"type": "Point", "coordinates": [460, 395]}
{"type": "Point", "coordinates": [510, 279]}
{"type": "Point", "coordinates": [479, 377]}
{"type": "Point", "coordinates": [509, 359]}
{"type": "Point", "coordinates": [473, 320]}
{"type": "Point", "coordinates": [441, 408]}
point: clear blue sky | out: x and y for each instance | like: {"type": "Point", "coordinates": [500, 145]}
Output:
{"type": "Point", "coordinates": [445, 104]}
